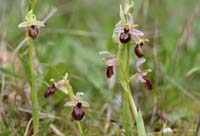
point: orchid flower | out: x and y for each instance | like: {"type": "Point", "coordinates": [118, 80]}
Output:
{"type": "Point", "coordinates": [76, 100]}
{"type": "Point", "coordinates": [142, 74]}
{"type": "Point", "coordinates": [78, 104]}
{"type": "Point", "coordinates": [111, 67]}
{"type": "Point", "coordinates": [61, 85]}
{"type": "Point", "coordinates": [32, 24]}
{"type": "Point", "coordinates": [126, 31]}
{"type": "Point", "coordinates": [138, 47]}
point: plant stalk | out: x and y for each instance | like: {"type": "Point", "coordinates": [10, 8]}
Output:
{"type": "Point", "coordinates": [71, 94]}
{"type": "Point", "coordinates": [34, 94]}
{"type": "Point", "coordinates": [123, 57]}
{"type": "Point", "coordinates": [33, 2]}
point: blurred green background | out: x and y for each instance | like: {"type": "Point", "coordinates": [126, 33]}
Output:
{"type": "Point", "coordinates": [70, 42]}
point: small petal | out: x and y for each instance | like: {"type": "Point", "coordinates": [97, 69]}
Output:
{"type": "Point", "coordinates": [39, 23]}
{"type": "Point", "coordinates": [119, 29]}
{"type": "Point", "coordinates": [63, 89]}
{"type": "Point", "coordinates": [23, 24]}
{"type": "Point", "coordinates": [136, 32]}
{"type": "Point", "coordinates": [84, 103]}
{"type": "Point", "coordinates": [139, 63]}
{"type": "Point", "coordinates": [71, 104]}
{"type": "Point", "coordinates": [135, 38]}
{"type": "Point", "coordinates": [140, 78]}
{"type": "Point", "coordinates": [79, 93]}
{"type": "Point", "coordinates": [105, 53]}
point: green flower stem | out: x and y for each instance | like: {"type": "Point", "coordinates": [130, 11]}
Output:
{"type": "Point", "coordinates": [71, 97]}
{"type": "Point", "coordinates": [123, 56]}
{"type": "Point", "coordinates": [34, 95]}
{"type": "Point", "coordinates": [33, 2]}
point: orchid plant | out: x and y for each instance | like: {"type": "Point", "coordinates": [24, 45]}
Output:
{"type": "Point", "coordinates": [125, 35]}
{"type": "Point", "coordinates": [33, 27]}
{"type": "Point", "coordinates": [75, 100]}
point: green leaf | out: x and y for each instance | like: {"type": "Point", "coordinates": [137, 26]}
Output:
{"type": "Point", "coordinates": [140, 124]}
{"type": "Point", "coordinates": [9, 73]}
{"type": "Point", "coordinates": [127, 121]}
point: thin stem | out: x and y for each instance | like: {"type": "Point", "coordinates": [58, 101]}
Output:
{"type": "Point", "coordinates": [79, 127]}
{"type": "Point", "coordinates": [33, 2]}
{"type": "Point", "coordinates": [132, 103]}
{"type": "Point", "coordinates": [2, 88]}
{"type": "Point", "coordinates": [123, 55]}
{"type": "Point", "coordinates": [71, 94]}
{"type": "Point", "coordinates": [33, 82]}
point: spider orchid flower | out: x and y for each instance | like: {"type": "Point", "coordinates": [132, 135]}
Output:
{"type": "Point", "coordinates": [78, 104]}
{"type": "Point", "coordinates": [61, 85]}
{"type": "Point", "coordinates": [111, 63]}
{"type": "Point", "coordinates": [126, 31]}
{"type": "Point", "coordinates": [32, 24]}
{"type": "Point", "coordinates": [111, 67]}
{"type": "Point", "coordinates": [142, 75]}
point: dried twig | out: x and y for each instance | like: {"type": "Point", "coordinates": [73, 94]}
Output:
{"type": "Point", "coordinates": [27, 128]}
{"type": "Point", "coordinates": [42, 115]}
{"type": "Point", "coordinates": [55, 130]}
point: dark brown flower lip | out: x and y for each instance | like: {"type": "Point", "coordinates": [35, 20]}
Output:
{"type": "Point", "coordinates": [109, 71]}
{"type": "Point", "coordinates": [33, 31]}
{"type": "Point", "coordinates": [125, 37]}
{"type": "Point", "coordinates": [148, 83]}
{"type": "Point", "coordinates": [50, 91]}
{"type": "Point", "coordinates": [138, 50]}
{"type": "Point", "coordinates": [78, 112]}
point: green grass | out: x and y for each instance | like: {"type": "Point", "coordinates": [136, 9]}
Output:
{"type": "Point", "coordinates": [70, 42]}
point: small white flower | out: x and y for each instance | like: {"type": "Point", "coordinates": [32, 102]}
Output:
{"type": "Point", "coordinates": [77, 99]}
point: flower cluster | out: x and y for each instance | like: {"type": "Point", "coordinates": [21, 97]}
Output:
{"type": "Point", "coordinates": [32, 25]}
{"type": "Point", "coordinates": [78, 104]}
{"type": "Point", "coordinates": [125, 32]}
